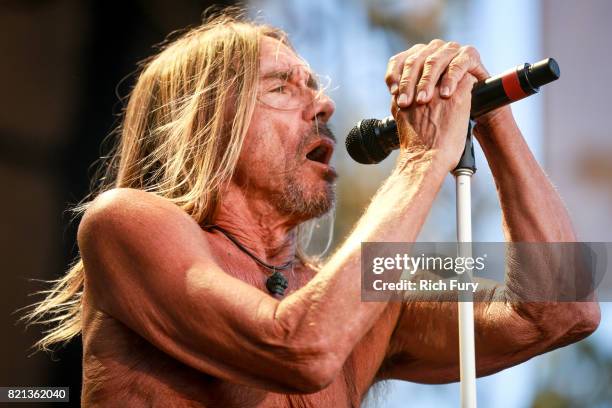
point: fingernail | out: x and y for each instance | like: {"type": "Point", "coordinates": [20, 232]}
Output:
{"type": "Point", "coordinates": [445, 91]}
{"type": "Point", "coordinates": [421, 96]}
{"type": "Point", "coordinates": [402, 100]}
{"type": "Point", "coordinates": [393, 88]}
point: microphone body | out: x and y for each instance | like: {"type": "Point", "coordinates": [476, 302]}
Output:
{"type": "Point", "coordinates": [372, 140]}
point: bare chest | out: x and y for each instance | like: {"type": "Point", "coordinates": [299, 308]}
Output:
{"type": "Point", "coordinates": [120, 367]}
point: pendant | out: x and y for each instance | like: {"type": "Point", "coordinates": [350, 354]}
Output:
{"type": "Point", "coordinates": [277, 283]}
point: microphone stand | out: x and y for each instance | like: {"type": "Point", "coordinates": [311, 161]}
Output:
{"type": "Point", "coordinates": [467, 351]}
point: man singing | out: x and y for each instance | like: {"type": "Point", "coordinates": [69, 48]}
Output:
{"type": "Point", "coordinates": [193, 290]}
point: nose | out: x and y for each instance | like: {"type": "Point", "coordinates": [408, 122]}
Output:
{"type": "Point", "coordinates": [321, 109]}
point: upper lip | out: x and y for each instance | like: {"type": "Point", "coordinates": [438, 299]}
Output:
{"type": "Point", "coordinates": [328, 149]}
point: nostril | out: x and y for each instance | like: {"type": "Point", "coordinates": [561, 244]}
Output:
{"type": "Point", "coordinates": [320, 111]}
{"type": "Point", "coordinates": [325, 112]}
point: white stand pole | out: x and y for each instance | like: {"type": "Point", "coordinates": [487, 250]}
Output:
{"type": "Point", "coordinates": [467, 350]}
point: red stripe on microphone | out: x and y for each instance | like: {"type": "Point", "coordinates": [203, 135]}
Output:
{"type": "Point", "coordinates": [512, 86]}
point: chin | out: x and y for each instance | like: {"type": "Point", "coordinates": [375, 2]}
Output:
{"type": "Point", "coordinates": [324, 203]}
{"type": "Point", "coordinates": [307, 203]}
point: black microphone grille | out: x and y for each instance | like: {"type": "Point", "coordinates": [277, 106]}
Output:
{"type": "Point", "coordinates": [364, 143]}
{"type": "Point", "coordinates": [358, 141]}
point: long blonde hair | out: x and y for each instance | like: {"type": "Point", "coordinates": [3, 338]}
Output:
{"type": "Point", "coordinates": [180, 138]}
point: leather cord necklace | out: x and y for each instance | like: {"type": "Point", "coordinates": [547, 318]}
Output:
{"type": "Point", "coordinates": [277, 282]}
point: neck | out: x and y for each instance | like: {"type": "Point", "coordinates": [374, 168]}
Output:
{"type": "Point", "coordinates": [258, 226]}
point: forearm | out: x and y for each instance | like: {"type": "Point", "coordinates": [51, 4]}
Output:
{"type": "Point", "coordinates": [330, 305]}
{"type": "Point", "coordinates": [509, 332]}
{"type": "Point", "coordinates": [532, 211]}
{"type": "Point", "coordinates": [543, 272]}
{"type": "Point", "coordinates": [424, 345]}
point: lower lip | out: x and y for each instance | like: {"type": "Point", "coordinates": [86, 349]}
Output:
{"type": "Point", "coordinates": [326, 167]}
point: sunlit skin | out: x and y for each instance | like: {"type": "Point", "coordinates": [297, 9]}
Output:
{"type": "Point", "coordinates": [178, 316]}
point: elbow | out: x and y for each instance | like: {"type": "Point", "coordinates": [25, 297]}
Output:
{"type": "Point", "coordinates": [574, 322]}
{"type": "Point", "coordinates": [315, 368]}
{"type": "Point", "coordinates": [554, 325]}
{"type": "Point", "coordinates": [586, 319]}
{"type": "Point", "coordinates": [312, 356]}
{"type": "Point", "coordinates": [317, 377]}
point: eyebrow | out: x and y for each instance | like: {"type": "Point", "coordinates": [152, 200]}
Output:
{"type": "Point", "coordinates": [284, 74]}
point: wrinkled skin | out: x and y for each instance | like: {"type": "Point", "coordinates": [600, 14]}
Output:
{"type": "Point", "coordinates": [177, 316]}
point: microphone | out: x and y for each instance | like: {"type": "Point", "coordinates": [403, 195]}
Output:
{"type": "Point", "coordinates": [372, 140]}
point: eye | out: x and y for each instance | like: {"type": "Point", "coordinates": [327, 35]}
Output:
{"type": "Point", "coordinates": [279, 89]}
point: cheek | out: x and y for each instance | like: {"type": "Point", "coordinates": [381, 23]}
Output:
{"type": "Point", "coordinates": [252, 163]}
{"type": "Point", "coordinates": [265, 153]}
{"type": "Point", "coordinates": [270, 137]}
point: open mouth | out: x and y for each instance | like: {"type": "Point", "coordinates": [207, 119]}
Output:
{"type": "Point", "coordinates": [321, 151]}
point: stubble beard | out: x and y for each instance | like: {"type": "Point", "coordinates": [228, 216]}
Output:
{"type": "Point", "coordinates": [296, 199]}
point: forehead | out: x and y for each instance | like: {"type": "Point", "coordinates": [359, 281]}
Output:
{"type": "Point", "coordinates": [275, 55]}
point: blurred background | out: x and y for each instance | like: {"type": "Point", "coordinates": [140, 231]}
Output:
{"type": "Point", "coordinates": [65, 64]}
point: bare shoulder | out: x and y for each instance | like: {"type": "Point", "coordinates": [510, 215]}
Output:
{"type": "Point", "coordinates": [136, 217]}
{"type": "Point", "coordinates": [127, 202]}
{"type": "Point", "coordinates": [123, 206]}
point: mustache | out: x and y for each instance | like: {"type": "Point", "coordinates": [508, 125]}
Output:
{"type": "Point", "coordinates": [318, 130]}
{"type": "Point", "coordinates": [324, 129]}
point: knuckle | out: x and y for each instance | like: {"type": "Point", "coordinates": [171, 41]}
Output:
{"type": "Point", "coordinates": [410, 62]}
{"type": "Point", "coordinates": [431, 61]}
{"type": "Point", "coordinates": [453, 45]}
{"type": "Point", "coordinates": [416, 47]}
{"type": "Point", "coordinates": [453, 69]}
{"type": "Point", "coordinates": [471, 51]}
{"type": "Point", "coordinates": [405, 82]}
{"type": "Point", "coordinates": [394, 59]}
{"type": "Point", "coordinates": [425, 78]}
{"type": "Point", "coordinates": [436, 42]}
{"type": "Point", "coordinates": [391, 64]}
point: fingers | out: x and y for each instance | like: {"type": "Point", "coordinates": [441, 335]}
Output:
{"type": "Point", "coordinates": [413, 75]}
{"type": "Point", "coordinates": [433, 68]}
{"type": "Point", "coordinates": [409, 76]}
{"type": "Point", "coordinates": [411, 71]}
{"type": "Point", "coordinates": [466, 60]}
{"type": "Point", "coordinates": [395, 67]}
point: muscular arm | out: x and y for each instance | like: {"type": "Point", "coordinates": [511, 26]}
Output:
{"type": "Point", "coordinates": [148, 265]}
{"type": "Point", "coordinates": [425, 344]}
{"type": "Point", "coordinates": [425, 347]}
